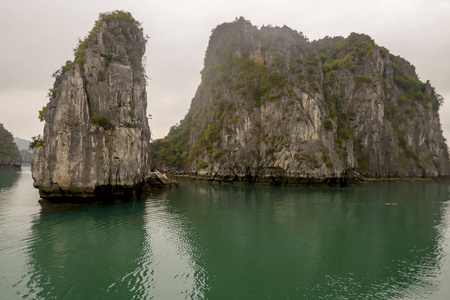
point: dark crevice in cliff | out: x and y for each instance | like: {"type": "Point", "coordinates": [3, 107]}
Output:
{"type": "Point", "coordinates": [90, 108]}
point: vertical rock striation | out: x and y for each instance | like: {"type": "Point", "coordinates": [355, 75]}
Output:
{"type": "Point", "coordinates": [96, 135]}
{"type": "Point", "coordinates": [9, 153]}
{"type": "Point", "coordinates": [274, 107]}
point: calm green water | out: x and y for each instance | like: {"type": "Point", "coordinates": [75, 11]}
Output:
{"type": "Point", "coordinates": [205, 241]}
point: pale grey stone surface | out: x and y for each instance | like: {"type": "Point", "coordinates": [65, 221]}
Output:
{"type": "Point", "coordinates": [81, 156]}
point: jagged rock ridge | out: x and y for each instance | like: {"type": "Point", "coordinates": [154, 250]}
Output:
{"type": "Point", "coordinates": [96, 136]}
{"type": "Point", "coordinates": [9, 153]}
{"type": "Point", "coordinates": [272, 105]}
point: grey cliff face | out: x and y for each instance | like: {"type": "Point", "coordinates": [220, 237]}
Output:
{"type": "Point", "coordinates": [96, 135]}
{"type": "Point", "coordinates": [271, 104]}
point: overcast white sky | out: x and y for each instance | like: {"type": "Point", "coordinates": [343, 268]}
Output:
{"type": "Point", "coordinates": [38, 36]}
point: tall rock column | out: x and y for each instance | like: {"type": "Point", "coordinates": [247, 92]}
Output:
{"type": "Point", "coordinates": [96, 136]}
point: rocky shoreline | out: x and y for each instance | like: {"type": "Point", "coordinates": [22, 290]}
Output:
{"type": "Point", "coordinates": [306, 181]}
{"type": "Point", "coordinates": [154, 182]}
{"type": "Point", "coordinates": [13, 165]}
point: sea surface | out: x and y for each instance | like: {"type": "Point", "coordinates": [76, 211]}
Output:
{"type": "Point", "coordinates": [209, 241]}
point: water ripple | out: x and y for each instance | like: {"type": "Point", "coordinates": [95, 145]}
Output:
{"type": "Point", "coordinates": [230, 242]}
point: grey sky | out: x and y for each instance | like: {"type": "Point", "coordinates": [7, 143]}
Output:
{"type": "Point", "coordinates": [37, 37]}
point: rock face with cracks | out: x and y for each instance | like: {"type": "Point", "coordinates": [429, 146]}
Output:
{"type": "Point", "coordinates": [96, 135]}
{"type": "Point", "coordinates": [274, 107]}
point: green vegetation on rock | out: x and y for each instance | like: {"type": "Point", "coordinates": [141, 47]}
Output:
{"type": "Point", "coordinates": [36, 142]}
{"type": "Point", "coordinates": [42, 114]}
{"type": "Point", "coordinates": [9, 153]}
{"type": "Point", "coordinates": [124, 28]}
{"type": "Point", "coordinates": [269, 98]}
{"type": "Point", "coordinates": [103, 122]}
{"type": "Point", "coordinates": [174, 149]}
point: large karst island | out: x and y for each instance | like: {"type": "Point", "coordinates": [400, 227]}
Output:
{"type": "Point", "coordinates": [274, 107]}
{"type": "Point", "coordinates": [96, 136]}
{"type": "Point", "coordinates": [9, 153]}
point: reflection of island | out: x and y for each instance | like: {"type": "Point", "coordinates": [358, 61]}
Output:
{"type": "Point", "coordinates": [444, 228]}
{"type": "Point", "coordinates": [133, 250]}
{"type": "Point", "coordinates": [324, 243]}
{"type": "Point", "coordinates": [8, 176]}
{"type": "Point", "coordinates": [175, 252]}
{"type": "Point", "coordinates": [87, 252]}
{"type": "Point", "coordinates": [233, 242]}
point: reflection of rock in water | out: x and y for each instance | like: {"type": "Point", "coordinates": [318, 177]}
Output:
{"type": "Point", "coordinates": [229, 242]}
{"type": "Point", "coordinates": [174, 258]}
{"type": "Point", "coordinates": [324, 243]}
{"type": "Point", "coordinates": [130, 250]}
{"type": "Point", "coordinates": [444, 229]}
{"type": "Point", "coordinates": [86, 252]}
{"type": "Point", "coordinates": [8, 176]}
